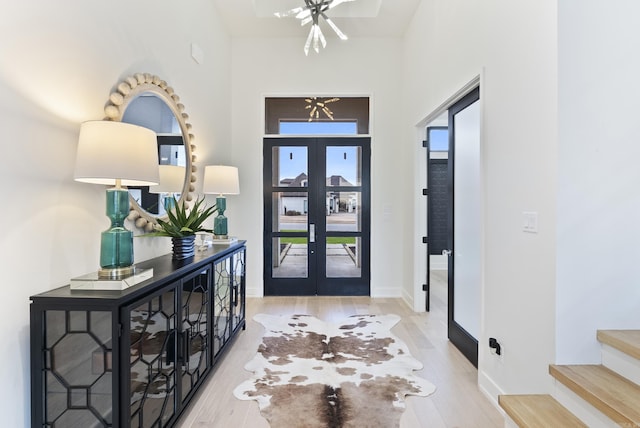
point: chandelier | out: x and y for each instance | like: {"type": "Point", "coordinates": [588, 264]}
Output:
{"type": "Point", "coordinates": [311, 13]}
{"type": "Point", "coordinates": [316, 105]}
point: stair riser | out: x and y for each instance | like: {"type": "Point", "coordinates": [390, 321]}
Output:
{"type": "Point", "coordinates": [621, 363]}
{"type": "Point", "coordinates": [579, 407]}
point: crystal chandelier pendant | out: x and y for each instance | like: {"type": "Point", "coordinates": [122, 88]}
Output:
{"type": "Point", "coordinates": [310, 13]}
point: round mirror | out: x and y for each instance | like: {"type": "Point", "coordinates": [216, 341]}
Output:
{"type": "Point", "coordinates": [146, 100]}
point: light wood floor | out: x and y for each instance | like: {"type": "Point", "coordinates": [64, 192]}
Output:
{"type": "Point", "coordinates": [457, 401]}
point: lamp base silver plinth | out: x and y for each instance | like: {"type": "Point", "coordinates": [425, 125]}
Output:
{"type": "Point", "coordinates": [224, 239]}
{"type": "Point", "coordinates": [116, 273]}
{"type": "Point", "coordinates": [93, 281]}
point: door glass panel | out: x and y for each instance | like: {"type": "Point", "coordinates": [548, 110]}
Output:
{"type": "Point", "coordinates": [344, 166]}
{"type": "Point", "coordinates": [318, 128]}
{"type": "Point", "coordinates": [467, 225]}
{"type": "Point", "coordinates": [343, 257]}
{"type": "Point", "coordinates": [153, 357]}
{"type": "Point", "coordinates": [289, 166]}
{"type": "Point", "coordinates": [438, 138]}
{"type": "Point", "coordinates": [77, 368]}
{"type": "Point", "coordinates": [221, 332]}
{"type": "Point", "coordinates": [195, 333]}
{"type": "Point", "coordinates": [290, 211]}
{"type": "Point", "coordinates": [343, 211]}
{"type": "Point", "coordinates": [321, 182]}
{"type": "Point", "coordinates": [290, 257]}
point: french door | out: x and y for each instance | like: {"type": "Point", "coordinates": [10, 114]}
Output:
{"type": "Point", "coordinates": [464, 267]}
{"type": "Point", "coordinates": [317, 216]}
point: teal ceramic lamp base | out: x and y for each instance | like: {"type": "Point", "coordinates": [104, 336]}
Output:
{"type": "Point", "coordinates": [220, 222]}
{"type": "Point", "coordinates": [169, 202]}
{"type": "Point", "coordinates": [116, 244]}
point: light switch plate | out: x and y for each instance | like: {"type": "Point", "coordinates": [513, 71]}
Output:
{"type": "Point", "coordinates": [530, 222]}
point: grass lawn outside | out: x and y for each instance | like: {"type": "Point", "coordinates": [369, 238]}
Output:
{"type": "Point", "coordinates": [330, 239]}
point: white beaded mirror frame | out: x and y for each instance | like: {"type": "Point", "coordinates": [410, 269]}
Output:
{"type": "Point", "coordinates": [126, 91]}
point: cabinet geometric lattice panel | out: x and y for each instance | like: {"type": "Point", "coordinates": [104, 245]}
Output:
{"type": "Point", "coordinates": [136, 357]}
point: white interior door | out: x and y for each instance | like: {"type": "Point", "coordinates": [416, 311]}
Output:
{"type": "Point", "coordinates": [467, 220]}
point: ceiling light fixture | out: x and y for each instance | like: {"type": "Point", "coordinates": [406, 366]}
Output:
{"type": "Point", "coordinates": [316, 105]}
{"type": "Point", "coordinates": [311, 12]}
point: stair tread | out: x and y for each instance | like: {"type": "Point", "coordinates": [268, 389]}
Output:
{"type": "Point", "coordinates": [612, 394]}
{"type": "Point", "coordinates": [627, 341]}
{"type": "Point", "coordinates": [538, 411]}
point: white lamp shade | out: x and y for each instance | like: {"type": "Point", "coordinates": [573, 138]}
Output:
{"type": "Point", "coordinates": [108, 151]}
{"type": "Point", "coordinates": [171, 179]}
{"type": "Point", "coordinates": [221, 180]}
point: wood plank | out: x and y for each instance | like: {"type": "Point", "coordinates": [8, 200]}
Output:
{"type": "Point", "coordinates": [457, 401]}
{"type": "Point", "coordinates": [612, 394]}
{"type": "Point", "coordinates": [538, 411]}
{"type": "Point", "coordinates": [626, 341]}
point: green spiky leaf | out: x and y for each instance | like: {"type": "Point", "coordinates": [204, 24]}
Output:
{"type": "Point", "coordinates": [182, 221]}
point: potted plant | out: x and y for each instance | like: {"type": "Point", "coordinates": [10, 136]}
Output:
{"type": "Point", "coordinates": [182, 225]}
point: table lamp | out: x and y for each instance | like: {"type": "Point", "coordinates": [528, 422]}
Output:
{"type": "Point", "coordinates": [120, 154]}
{"type": "Point", "coordinates": [221, 180]}
{"type": "Point", "coordinates": [171, 182]}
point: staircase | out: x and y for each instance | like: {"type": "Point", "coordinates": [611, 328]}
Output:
{"type": "Point", "coordinates": [602, 395]}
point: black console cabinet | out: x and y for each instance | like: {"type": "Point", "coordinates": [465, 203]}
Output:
{"type": "Point", "coordinates": [136, 357]}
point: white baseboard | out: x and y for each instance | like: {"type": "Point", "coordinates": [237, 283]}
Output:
{"type": "Point", "coordinates": [380, 292]}
{"type": "Point", "coordinates": [254, 292]}
{"type": "Point", "coordinates": [385, 292]}
{"type": "Point", "coordinates": [490, 389]}
{"type": "Point", "coordinates": [408, 299]}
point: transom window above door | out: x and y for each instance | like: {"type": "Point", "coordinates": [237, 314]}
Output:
{"type": "Point", "coordinates": [288, 127]}
{"type": "Point", "coordinates": [317, 116]}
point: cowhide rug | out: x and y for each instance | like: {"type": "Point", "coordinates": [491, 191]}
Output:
{"type": "Point", "coordinates": [309, 373]}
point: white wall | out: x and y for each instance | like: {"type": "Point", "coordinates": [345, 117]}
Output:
{"type": "Point", "coordinates": [57, 68]}
{"type": "Point", "coordinates": [512, 46]}
{"type": "Point", "coordinates": [598, 198]}
{"type": "Point", "coordinates": [58, 63]}
{"type": "Point", "coordinates": [362, 67]}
